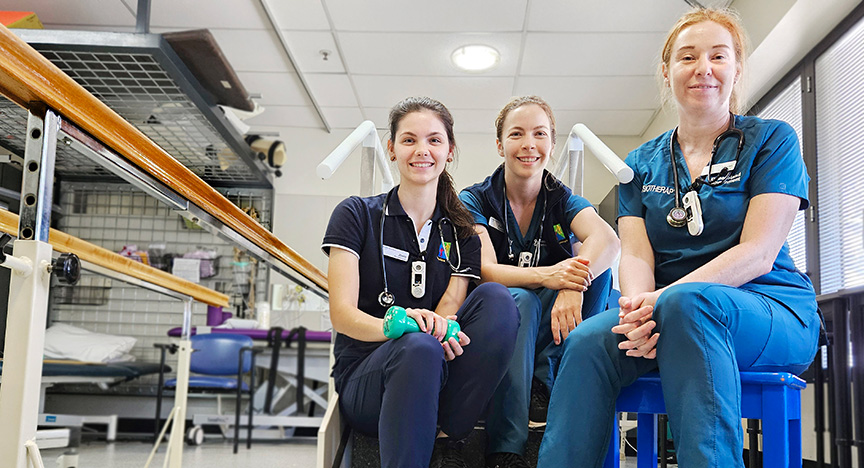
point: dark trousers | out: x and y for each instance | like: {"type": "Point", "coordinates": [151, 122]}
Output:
{"type": "Point", "coordinates": [404, 390]}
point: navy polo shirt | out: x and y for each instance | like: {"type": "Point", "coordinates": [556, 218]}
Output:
{"type": "Point", "coordinates": [355, 226]}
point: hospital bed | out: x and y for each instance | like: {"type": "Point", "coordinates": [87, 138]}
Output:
{"type": "Point", "coordinates": [76, 372]}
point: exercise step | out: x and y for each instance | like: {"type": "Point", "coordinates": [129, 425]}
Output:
{"type": "Point", "coordinates": [365, 449]}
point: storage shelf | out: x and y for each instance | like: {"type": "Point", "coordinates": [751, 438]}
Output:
{"type": "Point", "coordinates": [141, 78]}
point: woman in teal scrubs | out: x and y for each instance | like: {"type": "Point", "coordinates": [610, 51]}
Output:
{"type": "Point", "coordinates": [700, 303]}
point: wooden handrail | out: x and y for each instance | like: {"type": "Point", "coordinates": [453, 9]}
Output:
{"type": "Point", "coordinates": [63, 242]}
{"type": "Point", "coordinates": [26, 77]}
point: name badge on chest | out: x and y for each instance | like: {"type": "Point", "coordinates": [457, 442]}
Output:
{"type": "Point", "coordinates": [395, 253]}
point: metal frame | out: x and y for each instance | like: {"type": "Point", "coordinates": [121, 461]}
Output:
{"type": "Point", "coordinates": [161, 51]}
{"type": "Point", "coordinates": [28, 296]}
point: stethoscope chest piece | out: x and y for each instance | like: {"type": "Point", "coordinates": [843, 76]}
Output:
{"type": "Point", "coordinates": [677, 217]}
{"type": "Point", "coordinates": [386, 299]}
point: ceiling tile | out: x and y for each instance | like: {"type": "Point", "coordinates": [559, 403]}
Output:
{"type": "Point", "coordinates": [192, 14]}
{"type": "Point", "coordinates": [343, 117]}
{"type": "Point", "coordinates": [287, 116]}
{"type": "Point", "coordinates": [331, 90]}
{"type": "Point", "coordinates": [590, 54]}
{"type": "Point", "coordinates": [253, 50]}
{"type": "Point", "coordinates": [475, 121]}
{"type": "Point", "coordinates": [617, 16]}
{"type": "Point", "coordinates": [71, 14]}
{"type": "Point", "coordinates": [599, 92]}
{"type": "Point", "coordinates": [276, 89]}
{"type": "Point", "coordinates": [423, 53]}
{"type": "Point", "coordinates": [601, 122]}
{"type": "Point", "coordinates": [442, 16]}
{"type": "Point", "coordinates": [457, 93]}
{"type": "Point", "coordinates": [307, 47]}
{"type": "Point", "coordinates": [380, 116]}
{"type": "Point", "coordinates": [302, 15]}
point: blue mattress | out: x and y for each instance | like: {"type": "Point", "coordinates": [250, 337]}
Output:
{"type": "Point", "coordinates": [126, 370]}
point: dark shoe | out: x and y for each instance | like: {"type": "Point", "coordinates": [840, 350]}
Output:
{"type": "Point", "coordinates": [505, 460]}
{"type": "Point", "coordinates": [539, 405]}
{"type": "Point", "coordinates": [447, 454]}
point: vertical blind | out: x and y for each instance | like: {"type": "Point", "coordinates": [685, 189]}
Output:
{"type": "Point", "coordinates": [787, 107]}
{"type": "Point", "coordinates": [840, 162]}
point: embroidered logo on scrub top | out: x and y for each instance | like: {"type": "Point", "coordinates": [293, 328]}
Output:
{"type": "Point", "coordinates": [444, 251]}
{"type": "Point", "coordinates": [559, 233]}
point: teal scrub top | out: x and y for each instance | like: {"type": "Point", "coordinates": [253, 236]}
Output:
{"type": "Point", "coordinates": [770, 162]}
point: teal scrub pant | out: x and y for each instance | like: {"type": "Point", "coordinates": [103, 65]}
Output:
{"type": "Point", "coordinates": [708, 332]}
{"type": "Point", "coordinates": [536, 354]}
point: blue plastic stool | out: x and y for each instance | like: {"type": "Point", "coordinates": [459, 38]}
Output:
{"type": "Point", "coordinates": [775, 398]}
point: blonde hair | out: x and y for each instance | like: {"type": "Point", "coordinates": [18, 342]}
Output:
{"type": "Point", "coordinates": [730, 20]}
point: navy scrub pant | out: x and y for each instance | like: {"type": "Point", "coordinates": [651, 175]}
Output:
{"type": "Point", "coordinates": [708, 332]}
{"type": "Point", "coordinates": [536, 355]}
{"type": "Point", "coordinates": [405, 388]}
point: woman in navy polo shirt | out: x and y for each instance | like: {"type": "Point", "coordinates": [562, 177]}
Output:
{"type": "Point", "coordinates": [405, 389]}
{"type": "Point", "coordinates": [527, 221]}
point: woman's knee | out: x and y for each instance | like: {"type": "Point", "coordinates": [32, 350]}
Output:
{"type": "Point", "coordinates": [682, 306]}
{"type": "Point", "coordinates": [528, 304]}
{"type": "Point", "coordinates": [417, 350]}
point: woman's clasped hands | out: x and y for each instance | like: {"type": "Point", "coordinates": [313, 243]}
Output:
{"type": "Point", "coordinates": [635, 322]}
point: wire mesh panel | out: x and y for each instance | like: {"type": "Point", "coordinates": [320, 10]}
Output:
{"type": "Point", "coordinates": [139, 89]}
{"type": "Point", "coordinates": [121, 218]}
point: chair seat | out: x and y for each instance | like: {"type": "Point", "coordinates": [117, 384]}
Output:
{"type": "Point", "coordinates": [773, 397]}
{"type": "Point", "coordinates": [210, 383]}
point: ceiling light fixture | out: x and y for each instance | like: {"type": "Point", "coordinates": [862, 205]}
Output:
{"type": "Point", "coordinates": [475, 58]}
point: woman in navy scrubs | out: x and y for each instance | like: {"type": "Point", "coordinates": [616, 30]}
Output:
{"type": "Point", "coordinates": [418, 388]}
{"type": "Point", "coordinates": [698, 306]}
{"type": "Point", "coordinates": [527, 221]}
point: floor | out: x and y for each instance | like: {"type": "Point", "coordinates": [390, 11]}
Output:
{"type": "Point", "coordinates": [299, 453]}
{"type": "Point", "coordinates": [296, 453]}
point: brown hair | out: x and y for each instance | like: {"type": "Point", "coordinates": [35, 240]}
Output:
{"type": "Point", "coordinates": [725, 17]}
{"type": "Point", "coordinates": [518, 102]}
{"type": "Point", "coordinates": [446, 197]}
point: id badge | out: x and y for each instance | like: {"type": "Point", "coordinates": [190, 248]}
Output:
{"type": "Point", "coordinates": [418, 279]}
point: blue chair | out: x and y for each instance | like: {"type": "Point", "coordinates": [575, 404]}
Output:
{"type": "Point", "coordinates": [775, 398]}
{"type": "Point", "coordinates": [220, 360]}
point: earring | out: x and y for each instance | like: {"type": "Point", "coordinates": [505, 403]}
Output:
{"type": "Point", "coordinates": [449, 159]}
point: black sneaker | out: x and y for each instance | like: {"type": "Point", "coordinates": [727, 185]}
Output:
{"type": "Point", "coordinates": [539, 406]}
{"type": "Point", "coordinates": [447, 454]}
{"type": "Point", "coordinates": [505, 460]}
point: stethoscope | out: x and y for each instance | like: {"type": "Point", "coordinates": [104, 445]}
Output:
{"type": "Point", "coordinates": [526, 259]}
{"type": "Point", "coordinates": [690, 214]}
{"type": "Point", "coordinates": [386, 298]}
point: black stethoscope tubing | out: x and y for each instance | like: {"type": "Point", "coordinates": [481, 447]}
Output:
{"type": "Point", "coordinates": [536, 242]}
{"type": "Point", "coordinates": [677, 217]}
{"type": "Point", "coordinates": [386, 298]}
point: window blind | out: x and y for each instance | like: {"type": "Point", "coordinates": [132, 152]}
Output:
{"type": "Point", "coordinates": [840, 162]}
{"type": "Point", "coordinates": [787, 107]}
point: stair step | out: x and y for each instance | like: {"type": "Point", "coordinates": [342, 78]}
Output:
{"type": "Point", "coordinates": [365, 452]}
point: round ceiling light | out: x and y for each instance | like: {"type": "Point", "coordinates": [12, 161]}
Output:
{"type": "Point", "coordinates": [475, 58]}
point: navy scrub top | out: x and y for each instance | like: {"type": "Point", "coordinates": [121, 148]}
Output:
{"type": "Point", "coordinates": [355, 226]}
{"type": "Point", "coordinates": [770, 162]}
{"type": "Point", "coordinates": [573, 204]}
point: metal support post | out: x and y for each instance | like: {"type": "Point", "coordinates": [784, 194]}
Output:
{"type": "Point", "coordinates": [184, 355]}
{"type": "Point", "coordinates": [367, 166]}
{"type": "Point", "coordinates": [28, 295]}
